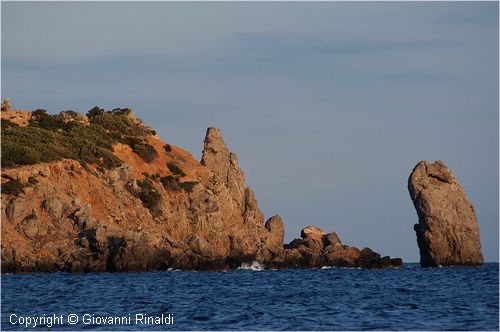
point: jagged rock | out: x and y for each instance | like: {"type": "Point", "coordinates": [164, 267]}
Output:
{"type": "Point", "coordinates": [447, 230]}
{"type": "Point", "coordinates": [235, 178]}
{"type": "Point", "coordinates": [84, 217]}
{"type": "Point", "coordinates": [370, 258]}
{"type": "Point", "coordinates": [313, 243]}
{"type": "Point", "coordinates": [251, 213]}
{"type": "Point", "coordinates": [6, 105]}
{"type": "Point", "coordinates": [54, 207]}
{"type": "Point", "coordinates": [353, 252]}
{"type": "Point", "coordinates": [119, 174]}
{"type": "Point", "coordinates": [367, 253]}
{"type": "Point", "coordinates": [201, 247]}
{"type": "Point", "coordinates": [341, 257]}
{"type": "Point", "coordinates": [223, 164]}
{"type": "Point", "coordinates": [293, 244]}
{"type": "Point", "coordinates": [30, 227]}
{"type": "Point", "coordinates": [385, 261]}
{"type": "Point", "coordinates": [215, 154]}
{"type": "Point", "coordinates": [332, 239]}
{"type": "Point", "coordinates": [293, 258]}
{"type": "Point", "coordinates": [19, 208]}
{"type": "Point", "coordinates": [396, 262]}
{"type": "Point", "coordinates": [312, 231]}
{"type": "Point", "coordinates": [311, 257]}
{"type": "Point", "coordinates": [276, 234]}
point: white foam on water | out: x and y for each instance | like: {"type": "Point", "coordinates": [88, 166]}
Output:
{"type": "Point", "coordinates": [326, 267]}
{"type": "Point", "coordinates": [254, 266]}
{"type": "Point", "coordinates": [171, 269]}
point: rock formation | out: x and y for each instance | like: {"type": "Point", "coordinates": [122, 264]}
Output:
{"type": "Point", "coordinates": [168, 211]}
{"type": "Point", "coordinates": [317, 248]}
{"type": "Point", "coordinates": [67, 217]}
{"type": "Point", "coordinates": [6, 105]}
{"type": "Point", "coordinates": [70, 116]}
{"type": "Point", "coordinates": [18, 117]}
{"type": "Point", "coordinates": [447, 229]}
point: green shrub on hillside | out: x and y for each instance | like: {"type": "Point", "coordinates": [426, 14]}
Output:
{"type": "Point", "coordinates": [49, 137]}
{"type": "Point", "coordinates": [148, 195]}
{"type": "Point", "coordinates": [111, 122]}
{"type": "Point", "coordinates": [41, 119]}
{"type": "Point", "coordinates": [117, 122]}
{"type": "Point", "coordinates": [146, 151]}
{"type": "Point", "coordinates": [175, 169]}
{"type": "Point", "coordinates": [188, 185]}
{"type": "Point", "coordinates": [170, 183]}
{"type": "Point", "coordinates": [95, 111]}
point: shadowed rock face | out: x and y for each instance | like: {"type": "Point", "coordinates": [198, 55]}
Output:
{"type": "Point", "coordinates": [447, 230]}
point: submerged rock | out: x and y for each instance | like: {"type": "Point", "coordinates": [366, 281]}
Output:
{"type": "Point", "coordinates": [447, 230]}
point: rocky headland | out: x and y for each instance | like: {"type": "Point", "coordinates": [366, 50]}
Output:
{"type": "Point", "coordinates": [447, 230]}
{"type": "Point", "coordinates": [102, 192]}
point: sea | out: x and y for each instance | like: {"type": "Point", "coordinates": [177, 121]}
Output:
{"type": "Point", "coordinates": [255, 298]}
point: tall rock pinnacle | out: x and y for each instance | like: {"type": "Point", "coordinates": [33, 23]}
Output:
{"type": "Point", "coordinates": [223, 164]}
{"type": "Point", "coordinates": [447, 229]}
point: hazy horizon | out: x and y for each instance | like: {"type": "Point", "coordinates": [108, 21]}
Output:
{"type": "Point", "coordinates": [328, 105]}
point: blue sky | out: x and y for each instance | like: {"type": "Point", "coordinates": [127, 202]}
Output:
{"type": "Point", "coordinates": [328, 105]}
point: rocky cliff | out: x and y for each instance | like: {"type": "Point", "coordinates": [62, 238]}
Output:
{"type": "Point", "coordinates": [447, 229]}
{"type": "Point", "coordinates": [139, 204]}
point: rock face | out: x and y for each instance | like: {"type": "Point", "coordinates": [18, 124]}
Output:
{"type": "Point", "coordinates": [171, 212]}
{"type": "Point", "coordinates": [137, 217]}
{"type": "Point", "coordinates": [447, 229]}
{"type": "Point", "coordinates": [18, 117]}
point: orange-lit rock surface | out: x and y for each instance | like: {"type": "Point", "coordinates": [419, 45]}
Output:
{"type": "Point", "coordinates": [146, 216]}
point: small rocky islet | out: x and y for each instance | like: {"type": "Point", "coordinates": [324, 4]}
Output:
{"type": "Point", "coordinates": [102, 192]}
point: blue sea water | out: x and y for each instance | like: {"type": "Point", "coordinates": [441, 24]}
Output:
{"type": "Point", "coordinates": [408, 298]}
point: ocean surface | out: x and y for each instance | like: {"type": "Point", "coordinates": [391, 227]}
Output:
{"type": "Point", "coordinates": [408, 298]}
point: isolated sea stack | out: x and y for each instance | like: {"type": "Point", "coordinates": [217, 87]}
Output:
{"type": "Point", "coordinates": [447, 229]}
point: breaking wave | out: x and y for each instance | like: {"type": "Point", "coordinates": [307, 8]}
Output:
{"type": "Point", "coordinates": [254, 266]}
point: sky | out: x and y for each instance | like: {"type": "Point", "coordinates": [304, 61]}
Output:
{"type": "Point", "coordinates": [328, 105]}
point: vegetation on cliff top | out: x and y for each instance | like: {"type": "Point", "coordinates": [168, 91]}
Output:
{"type": "Point", "coordinates": [53, 137]}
